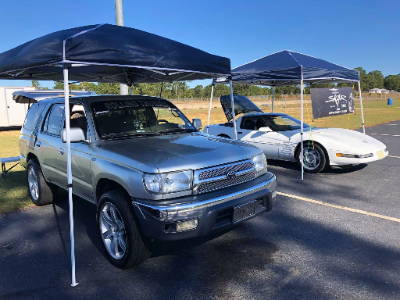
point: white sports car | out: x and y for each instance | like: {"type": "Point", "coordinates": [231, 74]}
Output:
{"type": "Point", "coordinates": [278, 135]}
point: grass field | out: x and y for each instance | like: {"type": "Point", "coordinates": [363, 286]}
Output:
{"type": "Point", "coordinates": [375, 110]}
{"type": "Point", "coordinates": [13, 195]}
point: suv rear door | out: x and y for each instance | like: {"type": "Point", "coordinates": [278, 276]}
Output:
{"type": "Point", "coordinates": [49, 147]}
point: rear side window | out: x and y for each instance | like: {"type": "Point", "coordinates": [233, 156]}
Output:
{"type": "Point", "coordinates": [32, 117]}
{"type": "Point", "coordinates": [54, 120]}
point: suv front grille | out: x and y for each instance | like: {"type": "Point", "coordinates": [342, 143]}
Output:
{"type": "Point", "coordinates": [219, 177]}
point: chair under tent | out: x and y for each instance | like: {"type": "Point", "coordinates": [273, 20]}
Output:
{"type": "Point", "coordinates": [289, 68]}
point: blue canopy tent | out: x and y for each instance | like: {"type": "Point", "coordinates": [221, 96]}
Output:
{"type": "Point", "coordinates": [288, 68]}
{"type": "Point", "coordinates": [106, 53]}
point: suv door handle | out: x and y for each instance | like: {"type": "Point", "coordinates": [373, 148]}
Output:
{"type": "Point", "coordinates": [240, 132]}
{"type": "Point", "coordinates": [38, 144]}
{"type": "Point", "coordinates": [61, 151]}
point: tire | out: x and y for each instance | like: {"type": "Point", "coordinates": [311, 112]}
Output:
{"type": "Point", "coordinates": [121, 239]}
{"type": "Point", "coordinates": [39, 190]}
{"type": "Point", "coordinates": [315, 159]}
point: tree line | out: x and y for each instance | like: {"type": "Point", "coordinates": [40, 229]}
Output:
{"type": "Point", "coordinates": [181, 90]}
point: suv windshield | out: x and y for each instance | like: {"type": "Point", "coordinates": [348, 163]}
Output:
{"type": "Point", "coordinates": [126, 118]}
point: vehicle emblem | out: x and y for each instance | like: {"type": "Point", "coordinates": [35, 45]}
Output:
{"type": "Point", "coordinates": [231, 174]}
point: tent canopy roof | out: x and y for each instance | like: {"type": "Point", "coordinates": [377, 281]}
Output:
{"type": "Point", "coordinates": [109, 53]}
{"type": "Point", "coordinates": [288, 67]}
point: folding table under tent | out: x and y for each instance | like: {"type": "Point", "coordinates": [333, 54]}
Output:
{"type": "Point", "coordinates": [289, 68]}
{"type": "Point", "coordinates": [106, 53]}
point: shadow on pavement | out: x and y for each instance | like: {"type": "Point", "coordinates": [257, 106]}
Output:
{"type": "Point", "coordinates": [276, 255]}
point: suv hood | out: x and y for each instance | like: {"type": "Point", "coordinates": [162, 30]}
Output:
{"type": "Point", "coordinates": [175, 152]}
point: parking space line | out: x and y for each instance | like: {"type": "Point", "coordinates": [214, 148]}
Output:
{"type": "Point", "coordinates": [385, 134]}
{"type": "Point", "coordinates": [354, 210]}
{"type": "Point", "coordinates": [393, 156]}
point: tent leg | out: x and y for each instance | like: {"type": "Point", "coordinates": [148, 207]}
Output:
{"type": "Point", "coordinates": [210, 106]}
{"type": "Point", "coordinates": [233, 108]}
{"type": "Point", "coordinates": [69, 175]}
{"type": "Point", "coordinates": [302, 125]}
{"type": "Point", "coordinates": [361, 107]}
{"type": "Point", "coordinates": [273, 98]}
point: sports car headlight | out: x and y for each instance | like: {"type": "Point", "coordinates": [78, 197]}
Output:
{"type": "Point", "coordinates": [168, 182]}
{"type": "Point", "coordinates": [260, 163]}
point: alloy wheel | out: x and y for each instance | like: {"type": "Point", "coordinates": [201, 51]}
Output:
{"type": "Point", "coordinates": [33, 183]}
{"type": "Point", "coordinates": [311, 158]}
{"type": "Point", "coordinates": [112, 230]}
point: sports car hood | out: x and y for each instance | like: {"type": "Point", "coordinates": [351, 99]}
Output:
{"type": "Point", "coordinates": [243, 105]}
{"type": "Point", "coordinates": [345, 139]}
{"type": "Point", "coordinates": [175, 152]}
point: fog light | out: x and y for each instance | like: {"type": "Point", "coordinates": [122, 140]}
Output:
{"type": "Point", "coordinates": [186, 225]}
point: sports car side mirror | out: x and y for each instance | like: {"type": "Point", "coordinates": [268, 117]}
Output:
{"type": "Point", "coordinates": [197, 124]}
{"type": "Point", "coordinates": [264, 129]}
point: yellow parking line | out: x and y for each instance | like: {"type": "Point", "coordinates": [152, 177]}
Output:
{"type": "Point", "coordinates": [393, 156]}
{"type": "Point", "coordinates": [386, 134]}
{"type": "Point", "coordinates": [354, 210]}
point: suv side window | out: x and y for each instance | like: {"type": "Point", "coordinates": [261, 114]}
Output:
{"type": "Point", "coordinates": [54, 120]}
{"type": "Point", "coordinates": [32, 117]}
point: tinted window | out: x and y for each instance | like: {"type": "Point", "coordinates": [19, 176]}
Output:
{"type": "Point", "coordinates": [32, 117]}
{"type": "Point", "coordinates": [138, 117]}
{"type": "Point", "coordinates": [55, 120]}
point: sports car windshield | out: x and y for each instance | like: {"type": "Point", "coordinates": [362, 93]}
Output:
{"type": "Point", "coordinates": [285, 123]}
{"type": "Point", "coordinates": [128, 118]}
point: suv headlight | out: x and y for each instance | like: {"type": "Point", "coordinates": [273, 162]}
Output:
{"type": "Point", "coordinates": [168, 182]}
{"type": "Point", "coordinates": [260, 163]}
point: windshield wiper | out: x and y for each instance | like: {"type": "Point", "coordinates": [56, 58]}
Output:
{"type": "Point", "coordinates": [175, 130]}
{"type": "Point", "coordinates": [122, 136]}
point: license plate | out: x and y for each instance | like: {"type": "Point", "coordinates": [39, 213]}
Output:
{"type": "Point", "coordinates": [244, 211]}
{"type": "Point", "coordinates": [380, 154]}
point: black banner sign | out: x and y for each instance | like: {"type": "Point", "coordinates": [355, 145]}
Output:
{"type": "Point", "coordinates": [332, 101]}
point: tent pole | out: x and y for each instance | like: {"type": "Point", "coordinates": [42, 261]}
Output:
{"type": "Point", "coordinates": [273, 98]}
{"type": "Point", "coordinates": [210, 106]}
{"type": "Point", "coordinates": [233, 108]}
{"type": "Point", "coordinates": [69, 174]}
{"type": "Point", "coordinates": [302, 124]}
{"type": "Point", "coordinates": [361, 107]}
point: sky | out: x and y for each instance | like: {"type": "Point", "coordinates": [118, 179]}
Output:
{"type": "Point", "coordinates": [350, 33]}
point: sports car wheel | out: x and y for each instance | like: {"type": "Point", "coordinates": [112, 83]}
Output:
{"type": "Point", "coordinates": [314, 158]}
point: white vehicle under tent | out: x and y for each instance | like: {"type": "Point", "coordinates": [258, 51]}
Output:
{"type": "Point", "coordinates": [279, 136]}
{"type": "Point", "coordinates": [288, 68]}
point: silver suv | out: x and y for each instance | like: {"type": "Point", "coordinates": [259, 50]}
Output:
{"type": "Point", "coordinates": [147, 168]}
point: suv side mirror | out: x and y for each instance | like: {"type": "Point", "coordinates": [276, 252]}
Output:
{"type": "Point", "coordinates": [197, 124]}
{"type": "Point", "coordinates": [76, 135]}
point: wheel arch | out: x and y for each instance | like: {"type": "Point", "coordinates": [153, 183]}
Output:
{"type": "Point", "coordinates": [297, 150]}
{"type": "Point", "coordinates": [105, 184]}
{"type": "Point", "coordinates": [32, 156]}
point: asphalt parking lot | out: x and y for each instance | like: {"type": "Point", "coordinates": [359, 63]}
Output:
{"type": "Point", "coordinates": [336, 235]}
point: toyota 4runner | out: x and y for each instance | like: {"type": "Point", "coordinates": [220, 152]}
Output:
{"type": "Point", "coordinates": [147, 168]}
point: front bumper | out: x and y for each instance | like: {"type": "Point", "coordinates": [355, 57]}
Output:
{"type": "Point", "coordinates": [213, 211]}
{"type": "Point", "coordinates": [377, 154]}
